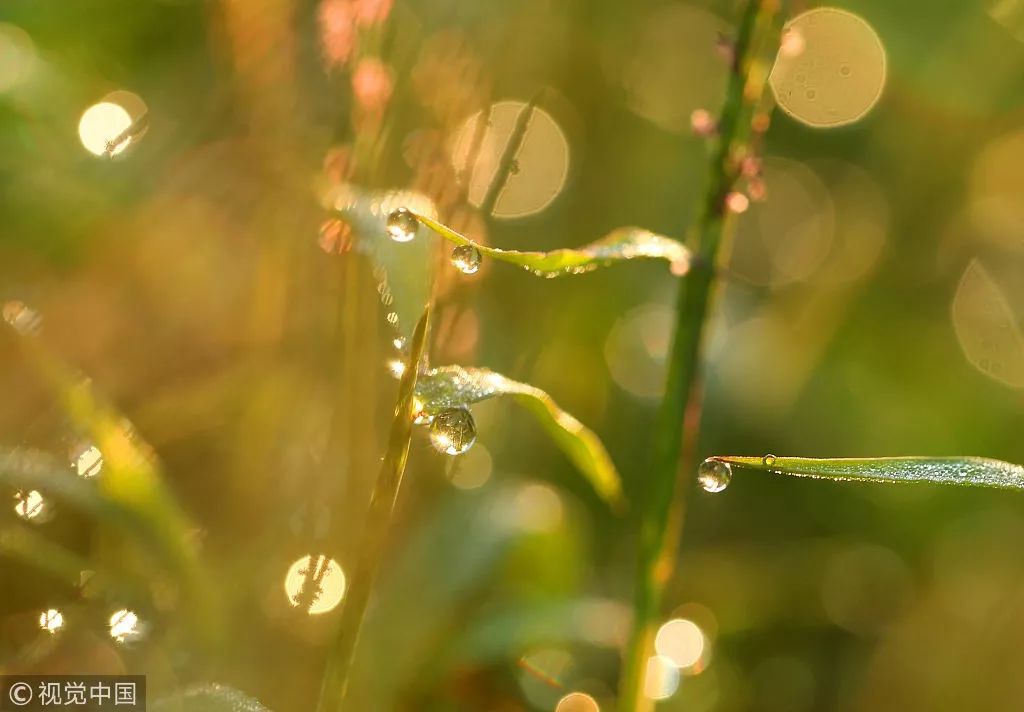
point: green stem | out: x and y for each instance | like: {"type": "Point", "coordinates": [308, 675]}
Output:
{"type": "Point", "coordinates": [378, 522]}
{"type": "Point", "coordinates": [662, 514]}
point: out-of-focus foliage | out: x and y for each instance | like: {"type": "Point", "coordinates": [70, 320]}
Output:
{"type": "Point", "coordinates": [870, 306]}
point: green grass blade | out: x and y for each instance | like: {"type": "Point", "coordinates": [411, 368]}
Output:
{"type": "Point", "coordinates": [455, 386]}
{"type": "Point", "coordinates": [624, 243]}
{"type": "Point", "coordinates": [378, 522]}
{"type": "Point", "coordinates": [962, 471]}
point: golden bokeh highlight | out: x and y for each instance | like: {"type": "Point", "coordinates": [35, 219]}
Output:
{"type": "Point", "coordinates": [661, 678]}
{"type": "Point", "coordinates": [681, 642]}
{"type": "Point", "coordinates": [315, 584]}
{"type": "Point", "coordinates": [17, 56]}
{"type": "Point", "coordinates": [786, 238]}
{"type": "Point", "coordinates": [636, 349]}
{"type": "Point", "coordinates": [540, 167]}
{"type": "Point", "coordinates": [995, 210]}
{"type": "Point", "coordinates": [88, 461]}
{"type": "Point", "coordinates": [51, 620]}
{"type": "Point", "coordinates": [986, 327]}
{"type": "Point", "coordinates": [676, 41]}
{"type": "Point", "coordinates": [111, 125]}
{"type": "Point", "coordinates": [577, 702]}
{"type": "Point", "coordinates": [31, 505]}
{"type": "Point", "coordinates": [471, 470]}
{"type": "Point", "coordinates": [124, 625]}
{"type": "Point", "coordinates": [834, 73]}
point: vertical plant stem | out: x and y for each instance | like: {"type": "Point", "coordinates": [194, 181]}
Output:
{"type": "Point", "coordinates": [378, 522]}
{"type": "Point", "coordinates": [663, 512]}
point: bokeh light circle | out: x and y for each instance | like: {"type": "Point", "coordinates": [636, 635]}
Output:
{"type": "Point", "coordinates": [315, 583]}
{"type": "Point", "coordinates": [835, 74]}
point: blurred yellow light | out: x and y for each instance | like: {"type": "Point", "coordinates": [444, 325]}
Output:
{"type": "Point", "coordinates": [89, 462]}
{"type": "Point", "coordinates": [472, 469]}
{"type": "Point", "coordinates": [577, 702]}
{"type": "Point", "coordinates": [661, 678]}
{"type": "Point", "coordinates": [317, 584]}
{"type": "Point", "coordinates": [29, 504]}
{"type": "Point", "coordinates": [681, 642]}
{"type": "Point", "coordinates": [831, 70]}
{"type": "Point", "coordinates": [986, 327]}
{"type": "Point", "coordinates": [636, 348]}
{"type": "Point", "coordinates": [102, 123]}
{"type": "Point", "coordinates": [51, 620]}
{"type": "Point", "coordinates": [540, 166]}
{"type": "Point", "coordinates": [538, 509]}
{"type": "Point", "coordinates": [124, 624]}
{"type": "Point", "coordinates": [17, 56]}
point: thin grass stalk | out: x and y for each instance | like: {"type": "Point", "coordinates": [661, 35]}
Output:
{"type": "Point", "coordinates": [378, 523]}
{"type": "Point", "coordinates": [663, 512]}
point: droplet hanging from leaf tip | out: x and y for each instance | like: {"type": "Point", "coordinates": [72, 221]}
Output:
{"type": "Point", "coordinates": [453, 431]}
{"type": "Point", "coordinates": [402, 225]}
{"type": "Point", "coordinates": [466, 259]}
{"type": "Point", "coordinates": [714, 475]}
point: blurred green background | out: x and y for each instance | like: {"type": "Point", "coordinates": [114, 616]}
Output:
{"type": "Point", "coordinates": [188, 278]}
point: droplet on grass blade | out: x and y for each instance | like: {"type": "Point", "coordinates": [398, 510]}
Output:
{"type": "Point", "coordinates": [466, 259]}
{"type": "Point", "coordinates": [453, 431]}
{"type": "Point", "coordinates": [714, 475]}
{"type": "Point", "coordinates": [402, 225]}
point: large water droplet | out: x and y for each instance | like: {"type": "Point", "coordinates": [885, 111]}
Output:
{"type": "Point", "coordinates": [453, 431]}
{"type": "Point", "coordinates": [402, 225]}
{"type": "Point", "coordinates": [714, 475]}
{"type": "Point", "coordinates": [466, 259]}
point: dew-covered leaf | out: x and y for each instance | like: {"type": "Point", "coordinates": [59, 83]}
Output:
{"type": "Point", "coordinates": [402, 269]}
{"type": "Point", "coordinates": [211, 697]}
{"type": "Point", "coordinates": [455, 386]}
{"type": "Point", "coordinates": [964, 471]}
{"type": "Point", "coordinates": [624, 243]}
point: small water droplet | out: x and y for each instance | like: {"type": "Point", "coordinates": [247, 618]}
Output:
{"type": "Point", "coordinates": [466, 259]}
{"type": "Point", "coordinates": [811, 93]}
{"type": "Point", "coordinates": [845, 70]}
{"type": "Point", "coordinates": [453, 431]}
{"type": "Point", "coordinates": [402, 225]}
{"type": "Point", "coordinates": [768, 460]}
{"type": "Point", "coordinates": [714, 475]}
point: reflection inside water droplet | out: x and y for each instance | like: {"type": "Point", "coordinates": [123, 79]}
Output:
{"type": "Point", "coordinates": [466, 259]}
{"type": "Point", "coordinates": [402, 225]}
{"type": "Point", "coordinates": [714, 475]}
{"type": "Point", "coordinates": [768, 460]}
{"type": "Point", "coordinates": [453, 431]}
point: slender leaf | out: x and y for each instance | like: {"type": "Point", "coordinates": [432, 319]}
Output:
{"type": "Point", "coordinates": [963, 471]}
{"type": "Point", "coordinates": [455, 386]}
{"type": "Point", "coordinates": [624, 243]}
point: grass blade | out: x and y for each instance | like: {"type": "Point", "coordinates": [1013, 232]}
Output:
{"type": "Point", "coordinates": [378, 521]}
{"type": "Point", "coordinates": [624, 243]}
{"type": "Point", "coordinates": [455, 386]}
{"type": "Point", "coordinates": [962, 471]}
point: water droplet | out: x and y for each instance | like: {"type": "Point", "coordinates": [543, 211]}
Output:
{"type": "Point", "coordinates": [402, 225]}
{"type": "Point", "coordinates": [453, 431]}
{"type": "Point", "coordinates": [466, 259]}
{"type": "Point", "coordinates": [768, 460]}
{"type": "Point", "coordinates": [811, 93]}
{"type": "Point", "coordinates": [845, 70]}
{"type": "Point", "coordinates": [714, 475]}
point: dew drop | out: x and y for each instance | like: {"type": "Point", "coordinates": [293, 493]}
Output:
{"type": "Point", "coordinates": [402, 225]}
{"type": "Point", "coordinates": [453, 431]}
{"type": "Point", "coordinates": [466, 259]}
{"type": "Point", "coordinates": [768, 460]}
{"type": "Point", "coordinates": [714, 475]}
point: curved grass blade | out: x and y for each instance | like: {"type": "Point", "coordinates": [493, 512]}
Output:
{"type": "Point", "coordinates": [455, 386]}
{"type": "Point", "coordinates": [378, 522]}
{"type": "Point", "coordinates": [624, 243]}
{"type": "Point", "coordinates": [962, 471]}
{"type": "Point", "coordinates": [131, 491]}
